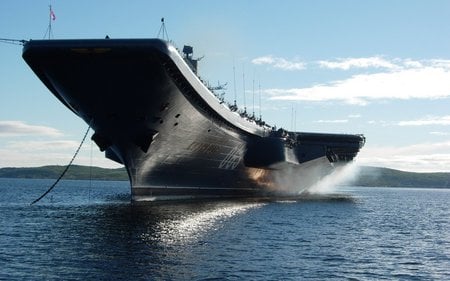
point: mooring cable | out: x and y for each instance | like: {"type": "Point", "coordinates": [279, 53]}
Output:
{"type": "Point", "coordinates": [13, 41]}
{"type": "Point", "coordinates": [65, 170]}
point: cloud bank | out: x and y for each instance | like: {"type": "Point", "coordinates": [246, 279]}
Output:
{"type": "Point", "coordinates": [17, 150]}
{"type": "Point", "coordinates": [279, 63]}
{"type": "Point", "coordinates": [337, 121]}
{"type": "Point", "coordinates": [424, 157]}
{"type": "Point", "coordinates": [399, 79]}
{"type": "Point", "coordinates": [51, 152]}
{"type": "Point", "coordinates": [19, 128]}
{"type": "Point", "coordinates": [427, 121]}
{"type": "Point", "coordinates": [348, 63]}
{"type": "Point", "coordinates": [424, 83]}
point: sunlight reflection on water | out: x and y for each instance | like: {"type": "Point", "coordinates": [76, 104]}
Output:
{"type": "Point", "coordinates": [191, 227]}
{"type": "Point", "coordinates": [95, 233]}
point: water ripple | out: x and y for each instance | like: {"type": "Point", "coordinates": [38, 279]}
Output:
{"type": "Point", "coordinates": [96, 233]}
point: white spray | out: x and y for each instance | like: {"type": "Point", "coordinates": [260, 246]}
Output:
{"type": "Point", "coordinates": [312, 180]}
{"type": "Point", "coordinates": [344, 174]}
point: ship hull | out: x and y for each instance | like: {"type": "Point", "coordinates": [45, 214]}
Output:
{"type": "Point", "coordinates": [151, 113]}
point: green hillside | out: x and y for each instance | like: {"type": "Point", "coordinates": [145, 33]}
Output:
{"type": "Point", "coordinates": [74, 172]}
{"type": "Point", "coordinates": [368, 176]}
{"type": "Point", "coordinates": [376, 176]}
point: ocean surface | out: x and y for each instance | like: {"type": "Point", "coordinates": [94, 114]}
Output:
{"type": "Point", "coordinates": [89, 230]}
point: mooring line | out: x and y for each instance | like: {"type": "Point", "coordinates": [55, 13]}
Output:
{"type": "Point", "coordinates": [13, 41]}
{"type": "Point", "coordinates": [65, 170]}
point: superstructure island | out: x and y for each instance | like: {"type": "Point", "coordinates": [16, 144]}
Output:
{"type": "Point", "coordinates": [176, 138]}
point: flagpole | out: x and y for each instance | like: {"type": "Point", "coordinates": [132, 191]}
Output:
{"type": "Point", "coordinates": [51, 17]}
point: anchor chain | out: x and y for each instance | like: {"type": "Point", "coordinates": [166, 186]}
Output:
{"type": "Point", "coordinates": [65, 170]}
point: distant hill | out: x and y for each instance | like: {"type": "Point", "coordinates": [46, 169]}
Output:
{"type": "Point", "coordinates": [377, 176]}
{"type": "Point", "coordinates": [368, 176]}
{"type": "Point", "coordinates": [74, 172]}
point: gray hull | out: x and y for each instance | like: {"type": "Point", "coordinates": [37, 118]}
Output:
{"type": "Point", "coordinates": [151, 113]}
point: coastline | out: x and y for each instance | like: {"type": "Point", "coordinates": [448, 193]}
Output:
{"type": "Point", "coordinates": [367, 176]}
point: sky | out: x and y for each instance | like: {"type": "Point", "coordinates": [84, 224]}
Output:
{"type": "Point", "coordinates": [378, 68]}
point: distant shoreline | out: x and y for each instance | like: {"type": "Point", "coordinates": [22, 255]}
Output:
{"type": "Point", "coordinates": [385, 177]}
{"type": "Point", "coordinates": [367, 176]}
{"type": "Point", "coordinates": [75, 172]}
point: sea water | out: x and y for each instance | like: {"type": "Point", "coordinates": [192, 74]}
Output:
{"type": "Point", "coordinates": [86, 230]}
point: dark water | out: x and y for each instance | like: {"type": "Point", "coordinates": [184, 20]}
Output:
{"type": "Point", "coordinates": [89, 230]}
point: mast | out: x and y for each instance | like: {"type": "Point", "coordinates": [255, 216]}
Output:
{"type": "Point", "coordinates": [234, 85]}
{"type": "Point", "coordinates": [243, 83]}
{"type": "Point", "coordinates": [260, 116]}
{"type": "Point", "coordinates": [163, 31]}
{"type": "Point", "coordinates": [295, 118]}
{"type": "Point", "coordinates": [292, 117]}
{"type": "Point", "coordinates": [253, 93]}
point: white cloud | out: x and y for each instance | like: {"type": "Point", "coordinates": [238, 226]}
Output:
{"type": "Point", "coordinates": [440, 133]}
{"type": "Point", "coordinates": [408, 63]}
{"type": "Point", "coordinates": [42, 153]}
{"type": "Point", "coordinates": [56, 145]}
{"type": "Point", "coordinates": [15, 158]}
{"type": "Point", "coordinates": [424, 157]}
{"type": "Point", "coordinates": [347, 63]}
{"type": "Point", "coordinates": [19, 128]}
{"type": "Point", "coordinates": [354, 116]}
{"type": "Point", "coordinates": [440, 63]}
{"type": "Point", "coordinates": [379, 122]}
{"type": "Point", "coordinates": [332, 121]}
{"type": "Point", "coordinates": [430, 82]}
{"type": "Point", "coordinates": [279, 63]}
{"type": "Point", "coordinates": [378, 62]}
{"type": "Point", "coordinates": [429, 120]}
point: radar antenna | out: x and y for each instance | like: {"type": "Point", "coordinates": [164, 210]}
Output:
{"type": "Point", "coordinates": [188, 52]}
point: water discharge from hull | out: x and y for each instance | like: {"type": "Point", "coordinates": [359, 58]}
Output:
{"type": "Point", "coordinates": [315, 179]}
{"type": "Point", "coordinates": [344, 174]}
{"type": "Point", "coordinates": [294, 180]}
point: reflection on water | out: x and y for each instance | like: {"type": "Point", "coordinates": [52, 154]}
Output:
{"type": "Point", "coordinates": [162, 240]}
{"type": "Point", "coordinates": [96, 233]}
{"type": "Point", "coordinates": [191, 226]}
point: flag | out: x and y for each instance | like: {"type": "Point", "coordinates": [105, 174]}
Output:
{"type": "Point", "coordinates": [52, 14]}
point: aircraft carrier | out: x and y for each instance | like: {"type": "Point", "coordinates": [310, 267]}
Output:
{"type": "Point", "coordinates": [177, 139]}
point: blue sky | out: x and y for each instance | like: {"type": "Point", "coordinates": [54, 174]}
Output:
{"type": "Point", "coordinates": [381, 68]}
